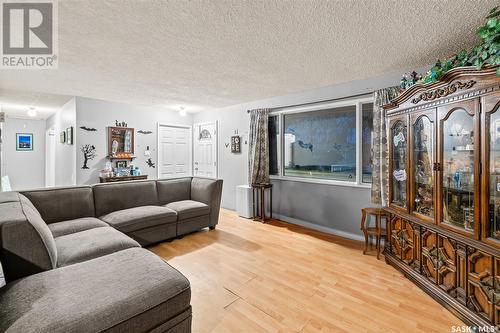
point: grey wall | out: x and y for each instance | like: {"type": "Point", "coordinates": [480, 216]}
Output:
{"type": "Point", "coordinates": [65, 173]}
{"type": "Point", "coordinates": [326, 207]}
{"type": "Point", "coordinates": [26, 169]}
{"type": "Point", "coordinates": [100, 114]}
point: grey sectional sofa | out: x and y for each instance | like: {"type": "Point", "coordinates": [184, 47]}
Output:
{"type": "Point", "coordinates": [73, 261]}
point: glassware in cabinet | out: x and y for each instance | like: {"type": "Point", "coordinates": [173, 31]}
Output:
{"type": "Point", "coordinates": [423, 166]}
{"type": "Point", "coordinates": [399, 162]}
{"type": "Point", "coordinates": [457, 166]}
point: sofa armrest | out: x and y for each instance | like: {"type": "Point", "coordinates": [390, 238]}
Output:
{"type": "Point", "coordinates": [208, 191]}
{"type": "Point", "coordinates": [26, 243]}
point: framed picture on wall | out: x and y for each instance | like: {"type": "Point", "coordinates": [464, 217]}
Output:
{"type": "Point", "coordinates": [24, 141]}
{"type": "Point", "coordinates": [62, 137]}
{"type": "Point", "coordinates": [236, 144]}
{"type": "Point", "coordinates": [69, 135]}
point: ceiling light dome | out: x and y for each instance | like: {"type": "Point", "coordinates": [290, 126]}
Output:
{"type": "Point", "coordinates": [32, 112]}
{"type": "Point", "coordinates": [182, 112]}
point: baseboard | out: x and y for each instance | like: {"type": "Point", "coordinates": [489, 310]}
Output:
{"type": "Point", "coordinates": [317, 227]}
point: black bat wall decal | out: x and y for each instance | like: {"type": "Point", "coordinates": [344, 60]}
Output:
{"type": "Point", "coordinates": [88, 129]}
{"type": "Point", "coordinates": [150, 163]}
{"type": "Point", "coordinates": [144, 132]}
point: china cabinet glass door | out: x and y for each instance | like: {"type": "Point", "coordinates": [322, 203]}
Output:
{"type": "Point", "coordinates": [422, 186]}
{"type": "Point", "coordinates": [491, 209]}
{"type": "Point", "coordinates": [399, 160]}
{"type": "Point", "coordinates": [457, 167]}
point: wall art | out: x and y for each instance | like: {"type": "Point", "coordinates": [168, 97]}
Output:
{"type": "Point", "coordinates": [236, 144]}
{"type": "Point", "coordinates": [69, 135]}
{"type": "Point", "coordinates": [88, 129]}
{"type": "Point", "coordinates": [88, 154]}
{"type": "Point", "coordinates": [144, 132]}
{"type": "Point", "coordinates": [122, 124]}
{"type": "Point", "coordinates": [150, 163]}
{"type": "Point", "coordinates": [24, 141]}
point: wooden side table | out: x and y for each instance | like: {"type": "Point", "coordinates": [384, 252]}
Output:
{"type": "Point", "coordinates": [258, 194]}
{"type": "Point", "coordinates": [376, 231]}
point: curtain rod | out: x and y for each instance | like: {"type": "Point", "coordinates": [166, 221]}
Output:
{"type": "Point", "coordinates": [317, 102]}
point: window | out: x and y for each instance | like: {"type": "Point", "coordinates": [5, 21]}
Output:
{"type": "Point", "coordinates": [274, 139]}
{"type": "Point", "coordinates": [367, 137]}
{"type": "Point", "coordinates": [321, 144]}
{"type": "Point", "coordinates": [330, 142]}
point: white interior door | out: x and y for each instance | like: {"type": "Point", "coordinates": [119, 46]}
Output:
{"type": "Point", "coordinates": [50, 158]}
{"type": "Point", "coordinates": [205, 150]}
{"type": "Point", "coordinates": [174, 151]}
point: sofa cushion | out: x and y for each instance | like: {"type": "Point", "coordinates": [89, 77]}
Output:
{"type": "Point", "coordinates": [118, 196]}
{"type": "Point", "coordinates": [170, 190]}
{"type": "Point", "coordinates": [90, 244]}
{"type": "Point", "coordinates": [188, 208]}
{"type": "Point", "coordinates": [129, 291]}
{"type": "Point", "coordinates": [132, 219]}
{"type": "Point", "coordinates": [27, 245]}
{"type": "Point", "coordinates": [70, 227]}
{"type": "Point", "coordinates": [62, 204]}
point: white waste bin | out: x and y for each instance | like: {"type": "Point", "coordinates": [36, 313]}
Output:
{"type": "Point", "coordinates": [244, 201]}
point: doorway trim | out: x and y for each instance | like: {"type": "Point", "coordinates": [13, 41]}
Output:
{"type": "Point", "coordinates": [216, 144]}
{"type": "Point", "coordinates": [50, 157]}
{"type": "Point", "coordinates": [158, 149]}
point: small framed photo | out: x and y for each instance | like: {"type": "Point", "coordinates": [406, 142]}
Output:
{"type": "Point", "coordinates": [24, 141]}
{"type": "Point", "coordinates": [62, 137]}
{"type": "Point", "coordinates": [236, 144]}
{"type": "Point", "coordinates": [121, 164]}
{"type": "Point", "coordinates": [69, 135]}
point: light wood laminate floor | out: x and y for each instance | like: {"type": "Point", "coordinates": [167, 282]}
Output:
{"type": "Point", "coordinates": [251, 277]}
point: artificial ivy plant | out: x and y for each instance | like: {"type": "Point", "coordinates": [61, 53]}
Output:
{"type": "Point", "coordinates": [486, 53]}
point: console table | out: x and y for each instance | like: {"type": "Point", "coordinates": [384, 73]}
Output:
{"type": "Point", "coordinates": [121, 178]}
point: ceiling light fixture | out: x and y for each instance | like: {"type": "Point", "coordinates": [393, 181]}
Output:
{"type": "Point", "coordinates": [182, 112]}
{"type": "Point", "coordinates": [32, 112]}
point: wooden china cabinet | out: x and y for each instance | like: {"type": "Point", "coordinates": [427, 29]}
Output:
{"type": "Point", "coordinates": [444, 191]}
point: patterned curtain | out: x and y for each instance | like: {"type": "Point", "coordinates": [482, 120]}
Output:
{"type": "Point", "coordinates": [380, 158]}
{"type": "Point", "coordinates": [258, 150]}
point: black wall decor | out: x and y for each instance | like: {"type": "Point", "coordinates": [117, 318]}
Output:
{"type": "Point", "coordinates": [150, 163]}
{"type": "Point", "coordinates": [236, 144]}
{"type": "Point", "coordinates": [88, 154]}
{"type": "Point", "coordinates": [122, 124]}
{"type": "Point", "coordinates": [144, 132]}
{"type": "Point", "coordinates": [88, 129]}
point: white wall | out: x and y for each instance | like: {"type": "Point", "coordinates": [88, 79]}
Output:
{"type": "Point", "coordinates": [65, 163]}
{"type": "Point", "coordinates": [332, 207]}
{"type": "Point", "coordinates": [26, 169]}
{"type": "Point", "coordinates": [99, 114]}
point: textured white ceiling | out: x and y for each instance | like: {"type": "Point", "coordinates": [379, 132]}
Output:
{"type": "Point", "coordinates": [218, 53]}
{"type": "Point", "coordinates": [17, 103]}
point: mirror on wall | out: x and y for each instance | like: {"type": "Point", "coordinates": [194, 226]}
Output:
{"type": "Point", "coordinates": [120, 141]}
